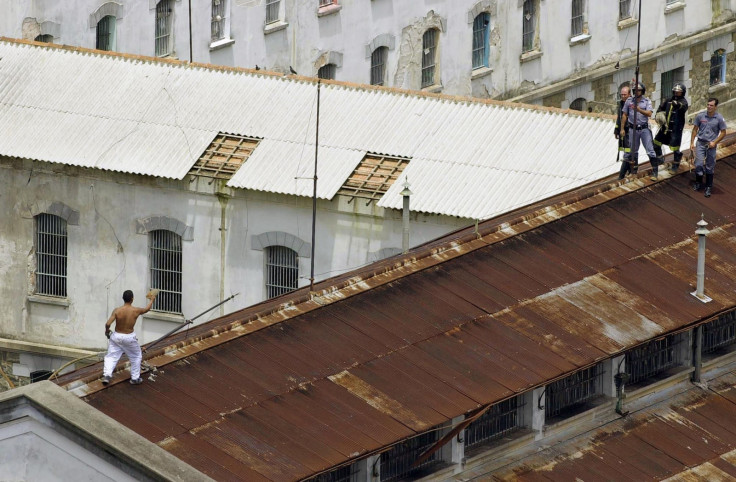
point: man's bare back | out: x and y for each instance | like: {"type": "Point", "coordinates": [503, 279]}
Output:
{"type": "Point", "coordinates": [125, 316]}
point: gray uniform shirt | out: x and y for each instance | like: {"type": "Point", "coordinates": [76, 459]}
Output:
{"type": "Point", "coordinates": [709, 127]}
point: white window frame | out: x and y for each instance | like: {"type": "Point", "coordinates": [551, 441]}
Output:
{"type": "Point", "coordinates": [165, 266]}
{"type": "Point", "coordinates": [722, 67]}
{"type": "Point", "coordinates": [163, 29]}
{"type": "Point", "coordinates": [430, 55]}
{"type": "Point", "coordinates": [221, 26]}
{"type": "Point", "coordinates": [51, 246]}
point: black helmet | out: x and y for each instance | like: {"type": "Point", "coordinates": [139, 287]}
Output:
{"type": "Point", "coordinates": [679, 87]}
{"type": "Point", "coordinates": [641, 87]}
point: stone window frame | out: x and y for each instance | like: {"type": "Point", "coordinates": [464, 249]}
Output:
{"type": "Point", "coordinates": [436, 84]}
{"type": "Point", "coordinates": [384, 40]}
{"type": "Point", "coordinates": [263, 241]}
{"type": "Point", "coordinates": [581, 91]}
{"type": "Point", "coordinates": [491, 8]}
{"type": "Point", "coordinates": [108, 8]}
{"type": "Point", "coordinates": [328, 9]}
{"type": "Point", "coordinates": [68, 214]}
{"type": "Point", "coordinates": [46, 27]}
{"type": "Point", "coordinates": [143, 226]}
{"type": "Point", "coordinates": [327, 57]}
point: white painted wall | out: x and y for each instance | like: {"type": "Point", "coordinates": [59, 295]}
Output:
{"type": "Point", "coordinates": [106, 256]}
{"type": "Point", "coordinates": [352, 27]}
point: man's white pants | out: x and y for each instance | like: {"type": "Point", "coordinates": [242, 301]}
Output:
{"type": "Point", "coordinates": [123, 343]}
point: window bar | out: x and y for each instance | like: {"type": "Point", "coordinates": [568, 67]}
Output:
{"type": "Point", "coordinates": [378, 65]}
{"type": "Point", "coordinates": [528, 26]}
{"type": "Point", "coordinates": [429, 49]}
{"type": "Point", "coordinates": [577, 17]}
{"type": "Point", "coordinates": [501, 419]}
{"type": "Point", "coordinates": [624, 9]}
{"type": "Point", "coordinates": [325, 3]}
{"type": "Point", "coordinates": [218, 19]}
{"type": "Point", "coordinates": [163, 27]}
{"type": "Point", "coordinates": [51, 255]}
{"type": "Point", "coordinates": [480, 30]}
{"type": "Point", "coordinates": [573, 391]}
{"type": "Point", "coordinates": [719, 333]}
{"type": "Point", "coordinates": [272, 11]}
{"type": "Point", "coordinates": [103, 34]}
{"type": "Point", "coordinates": [397, 463]}
{"type": "Point", "coordinates": [655, 357]}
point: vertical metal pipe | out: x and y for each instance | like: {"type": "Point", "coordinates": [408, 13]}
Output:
{"type": "Point", "coordinates": [314, 191]}
{"type": "Point", "coordinates": [702, 232]}
{"type": "Point", "coordinates": [406, 194]}
{"type": "Point", "coordinates": [698, 352]}
{"type": "Point", "coordinates": [190, 32]}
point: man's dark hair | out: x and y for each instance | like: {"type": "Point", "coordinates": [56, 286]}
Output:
{"type": "Point", "coordinates": [128, 296]}
{"type": "Point", "coordinates": [713, 99]}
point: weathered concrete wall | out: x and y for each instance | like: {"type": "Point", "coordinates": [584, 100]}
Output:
{"type": "Point", "coordinates": [107, 254]}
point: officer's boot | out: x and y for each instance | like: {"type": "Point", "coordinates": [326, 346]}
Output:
{"type": "Point", "coordinates": [698, 182]}
{"type": "Point", "coordinates": [624, 169]}
{"type": "Point", "coordinates": [655, 162]}
{"type": "Point", "coordinates": [676, 158]}
{"type": "Point", "coordinates": [634, 168]}
{"type": "Point", "coordinates": [708, 184]}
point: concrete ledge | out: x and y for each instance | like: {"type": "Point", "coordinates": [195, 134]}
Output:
{"type": "Point", "coordinates": [48, 300]}
{"type": "Point", "coordinates": [43, 349]}
{"type": "Point", "coordinates": [95, 431]}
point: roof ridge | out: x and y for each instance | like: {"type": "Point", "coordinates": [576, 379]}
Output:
{"type": "Point", "coordinates": [338, 83]}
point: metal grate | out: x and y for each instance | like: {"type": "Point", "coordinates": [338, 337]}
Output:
{"type": "Point", "coordinates": [218, 19]}
{"type": "Point", "coordinates": [528, 25]}
{"type": "Point", "coordinates": [272, 10]}
{"type": "Point", "coordinates": [105, 33]}
{"type": "Point", "coordinates": [718, 67]}
{"type": "Point", "coordinates": [328, 71]}
{"type": "Point", "coordinates": [577, 18]}
{"type": "Point", "coordinates": [719, 333]}
{"type": "Point", "coordinates": [429, 54]}
{"type": "Point", "coordinates": [378, 65]}
{"type": "Point", "coordinates": [51, 255]}
{"type": "Point", "coordinates": [282, 270]}
{"type": "Point", "coordinates": [501, 419]}
{"type": "Point", "coordinates": [624, 9]}
{"type": "Point", "coordinates": [569, 393]}
{"type": "Point", "coordinates": [224, 156]}
{"type": "Point", "coordinates": [481, 28]}
{"type": "Point", "coordinates": [646, 361]}
{"type": "Point", "coordinates": [163, 28]}
{"type": "Point", "coordinates": [343, 474]}
{"type": "Point", "coordinates": [373, 176]}
{"type": "Point", "coordinates": [396, 463]}
{"type": "Point", "coordinates": [165, 260]}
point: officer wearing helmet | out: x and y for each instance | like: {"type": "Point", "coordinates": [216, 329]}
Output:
{"type": "Point", "coordinates": [671, 120]}
{"type": "Point", "coordinates": [636, 113]}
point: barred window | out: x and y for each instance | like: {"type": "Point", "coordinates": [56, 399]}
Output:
{"type": "Point", "coordinates": [218, 20]}
{"type": "Point", "coordinates": [397, 463]}
{"type": "Point", "coordinates": [565, 396]}
{"type": "Point", "coordinates": [343, 474]}
{"type": "Point", "coordinates": [624, 9]}
{"type": "Point", "coordinates": [164, 12]}
{"type": "Point", "coordinates": [719, 333]}
{"type": "Point", "coordinates": [718, 67]}
{"type": "Point", "coordinates": [325, 3]}
{"type": "Point", "coordinates": [282, 270]}
{"type": "Point", "coordinates": [272, 10]}
{"type": "Point", "coordinates": [328, 71]}
{"type": "Point", "coordinates": [577, 18]}
{"type": "Point", "coordinates": [501, 419]}
{"type": "Point", "coordinates": [378, 65]}
{"type": "Point", "coordinates": [647, 361]}
{"type": "Point", "coordinates": [429, 57]}
{"type": "Point", "coordinates": [106, 34]}
{"type": "Point", "coordinates": [51, 255]}
{"type": "Point", "coordinates": [49, 39]}
{"type": "Point", "coordinates": [668, 80]}
{"type": "Point", "coordinates": [529, 25]}
{"type": "Point", "coordinates": [165, 261]}
{"type": "Point", "coordinates": [481, 34]}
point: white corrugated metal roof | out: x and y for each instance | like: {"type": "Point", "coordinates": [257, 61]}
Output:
{"type": "Point", "coordinates": [468, 158]}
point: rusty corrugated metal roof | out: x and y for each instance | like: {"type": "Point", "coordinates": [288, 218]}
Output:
{"type": "Point", "coordinates": [689, 438]}
{"type": "Point", "coordinates": [299, 384]}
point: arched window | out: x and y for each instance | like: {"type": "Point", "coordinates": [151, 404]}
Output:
{"type": "Point", "coordinates": [429, 57]}
{"type": "Point", "coordinates": [106, 35]}
{"type": "Point", "coordinates": [481, 35]}
{"type": "Point", "coordinates": [51, 255]}
{"type": "Point", "coordinates": [164, 12]}
{"type": "Point", "coordinates": [165, 264]}
{"type": "Point", "coordinates": [577, 18]}
{"type": "Point", "coordinates": [45, 38]}
{"type": "Point", "coordinates": [718, 67]}
{"type": "Point", "coordinates": [378, 65]}
{"type": "Point", "coordinates": [282, 270]}
{"type": "Point", "coordinates": [529, 25]}
{"type": "Point", "coordinates": [579, 104]}
{"type": "Point", "coordinates": [327, 71]}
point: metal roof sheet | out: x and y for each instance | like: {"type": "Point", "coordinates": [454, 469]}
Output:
{"type": "Point", "coordinates": [688, 437]}
{"type": "Point", "coordinates": [455, 325]}
{"type": "Point", "coordinates": [470, 158]}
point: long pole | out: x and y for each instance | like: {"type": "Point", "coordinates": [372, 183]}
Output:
{"type": "Point", "coordinates": [635, 135]}
{"type": "Point", "coordinates": [190, 32]}
{"type": "Point", "coordinates": [314, 191]}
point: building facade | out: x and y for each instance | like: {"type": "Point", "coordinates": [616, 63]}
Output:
{"type": "Point", "coordinates": [560, 53]}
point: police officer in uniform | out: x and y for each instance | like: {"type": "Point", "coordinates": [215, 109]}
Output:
{"type": "Point", "coordinates": [623, 141]}
{"type": "Point", "coordinates": [670, 131]}
{"type": "Point", "coordinates": [709, 128]}
{"type": "Point", "coordinates": [639, 109]}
